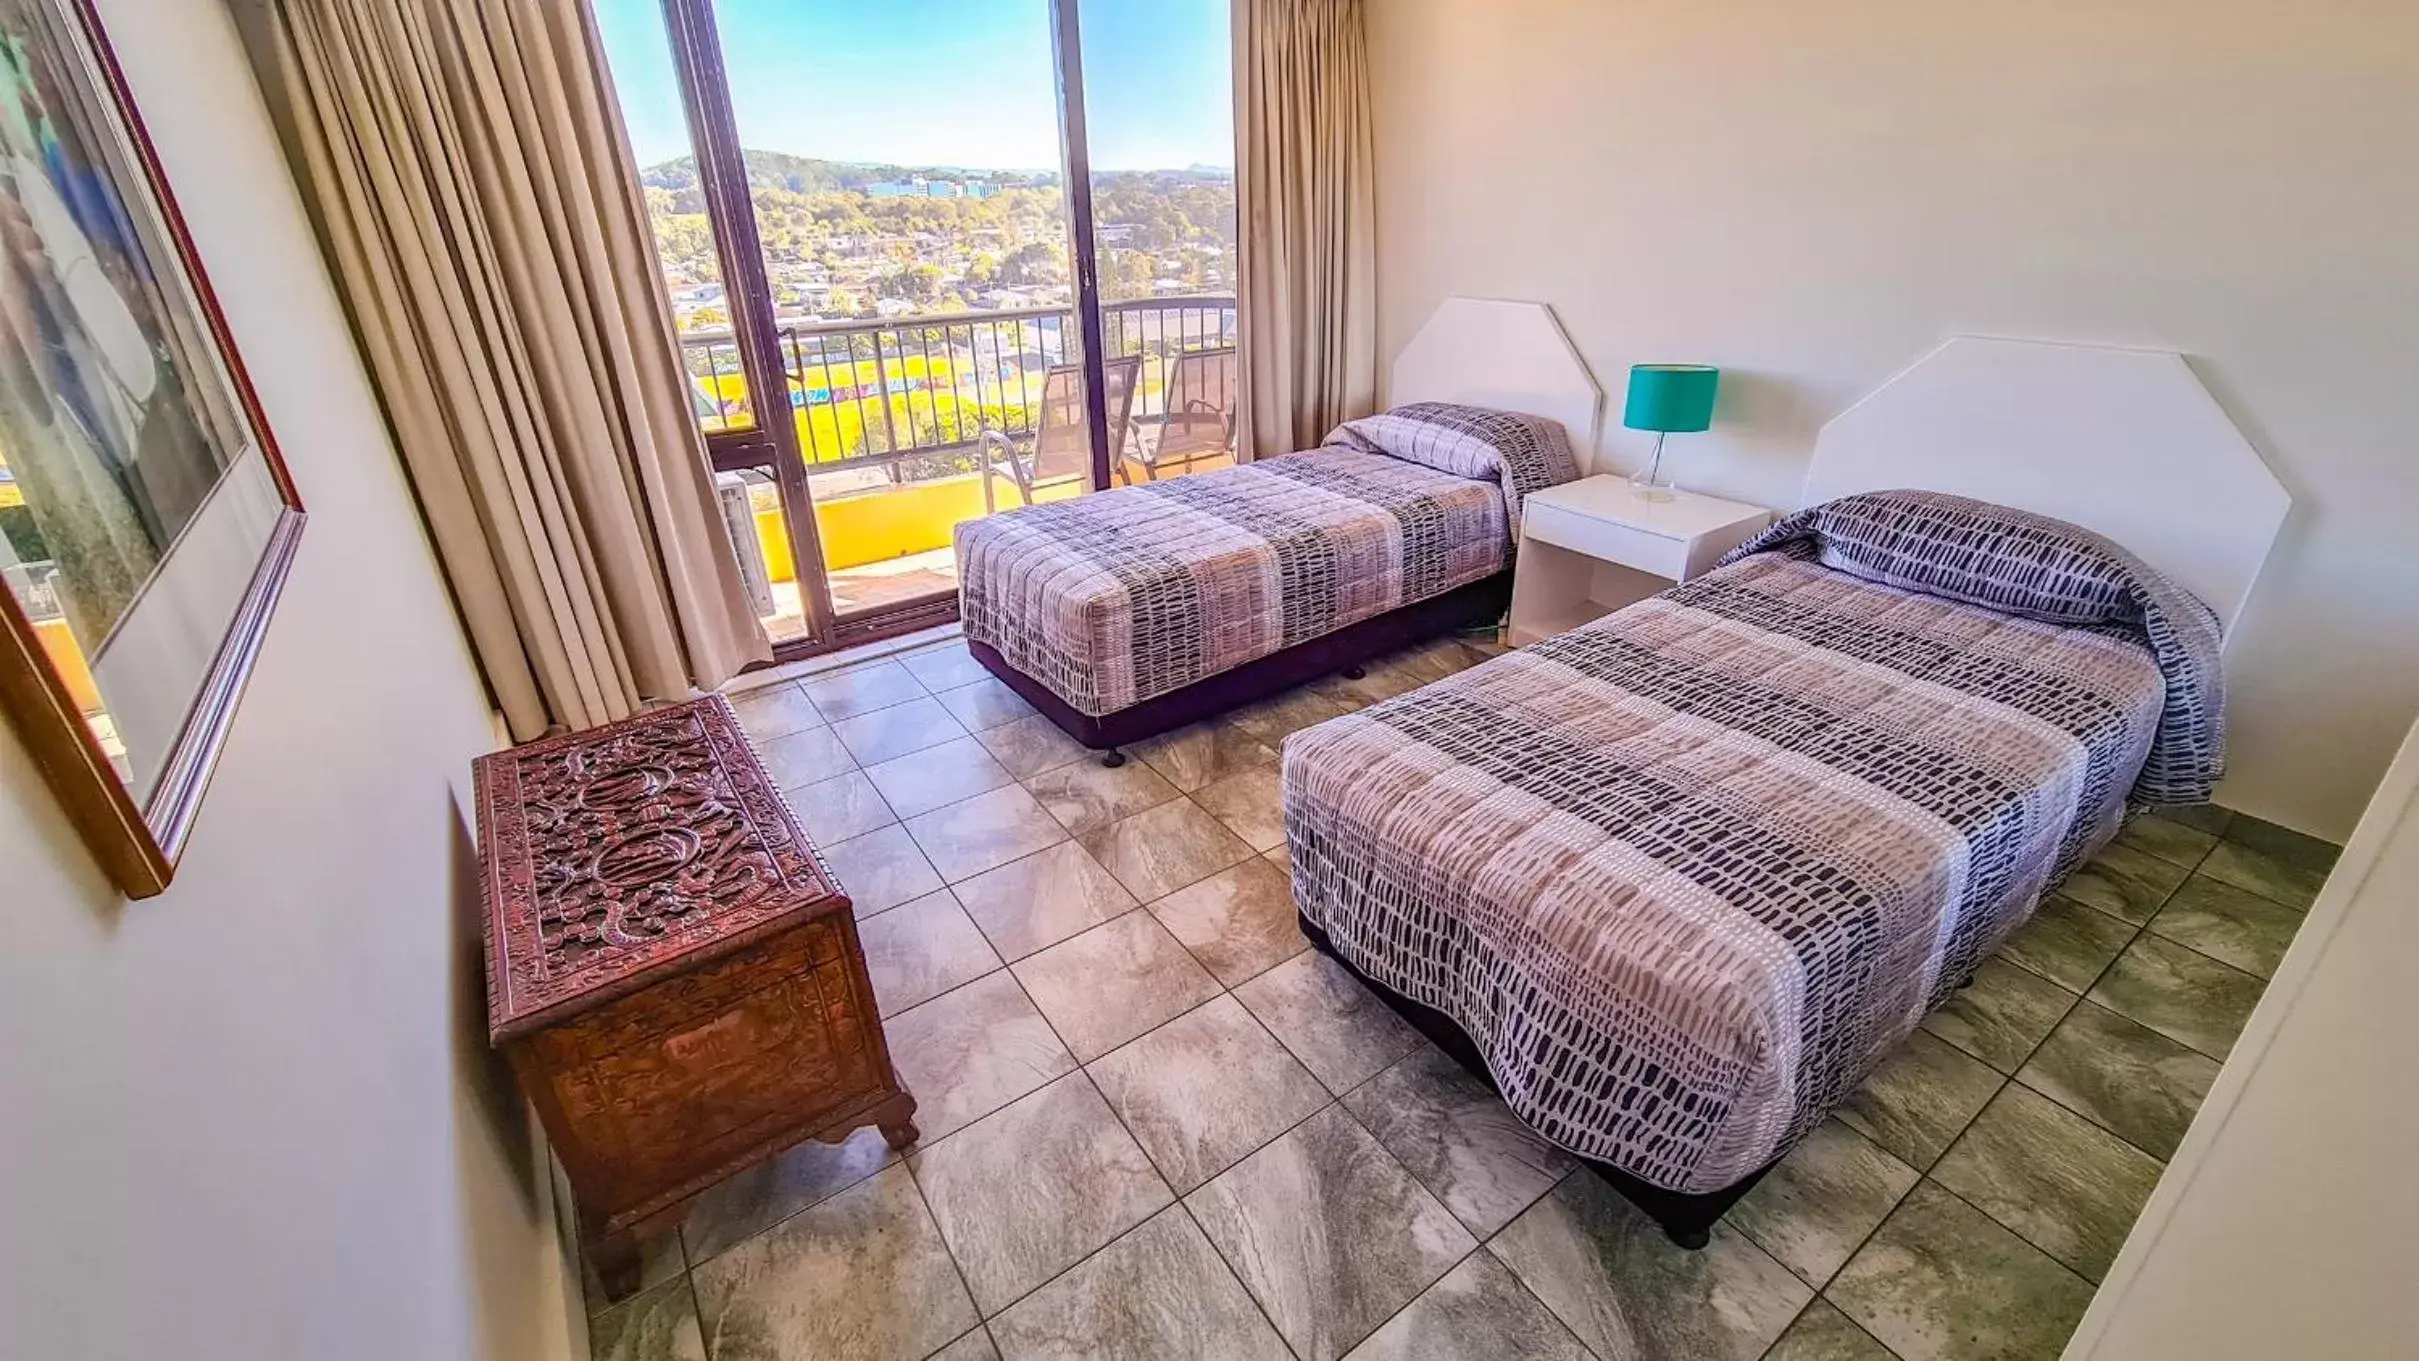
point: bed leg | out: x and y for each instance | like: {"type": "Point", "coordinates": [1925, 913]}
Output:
{"type": "Point", "coordinates": [1692, 1239]}
{"type": "Point", "coordinates": [1113, 759]}
{"type": "Point", "coordinates": [1356, 673]}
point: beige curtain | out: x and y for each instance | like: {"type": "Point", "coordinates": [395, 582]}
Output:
{"type": "Point", "coordinates": [467, 170]}
{"type": "Point", "coordinates": [1308, 241]}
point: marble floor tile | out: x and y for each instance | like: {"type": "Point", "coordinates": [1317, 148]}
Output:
{"type": "Point", "coordinates": [1921, 1096]}
{"type": "Point", "coordinates": [966, 1053]}
{"type": "Point", "coordinates": [2127, 1077]}
{"type": "Point", "coordinates": [775, 711]}
{"type": "Point", "coordinates": [1272, 720]}
{"type": "Point", "coordinates": [1238, 922]}
{"type": "Point", "coordinates": [1030, 745]}
{"type": "Point", "coordinates": [1480, 1161]}
{"type": "Point", "coordinates": [984, 832]}
{"type": "Point", "coordinates": [1479, 1309]}
{"type": "Point", "coordinates": [974, 1346]}
{"type": "Point", "coordinates": [2296, 886]}
{"type": "Point", "coordinates": [2002, 1015]}
{"type": "Point", "coordinates": [861, 689]}
{"type": "Point", "coordinates": [1191, 757]}
{"type": "Point", "coordinates": [2166, 839]}
{"type": "Point", "coordinates": [987, 703]}
{"type": "Point", "coordinates": [919, 950]}
{"type": "Point", "coordinates": [2067, 1186]}
{"type": "Point", "coordinates": [1832, 1191]}
{"type": "Point", "coordinates": [1823, 1333]}
{"type": "Point", "coordinates": [2205, 817]}
{"type": "Point", "coordinates": [802, 758]}
{"type": "Point", "coordinates": [2228, 924]}
{"type": "Point", "coordinates": [1611, 1276]}
{"type": "Point", "coordinates": [1030, 1190]}
{"type": "Point", "coordinates": [841, 807]}
{"type": "Point", "coordinates": [743, 1205]}
{"type": "Point", "coordinates": [1113, 982]}
{"type": "Point", "coordinates": [1328, 1232]}
{"type": "Point", "coordinates": [1251, 805]}
{"type": "Point", "coordinates": [2124, 882]}
{"type": "Point", "coordinates": [863, 1275]}
{"type": "Point", "coordinates": [888, 733]}
{"type": "Point", "coordinates": [657, 1324]}
{"type": "Point", "coordinates": [1042, 899]}
{"type": "Point", "coordinates": [1205, 1089]}
{"type": "Point", "coordinates": [1942, 1281]}
{"type": "Point", "coordinates": [881, 870]}
{"type": "Point", "coordinates": [945, 667]}
{"type": "Point", "coordinates": [1339, 1030]}
{"type": "Point", "coordinates": [1160, 1293]}
{"type": "Point", "coordinates": [1160, 850]}
{"type": "Point", "coordinates": [2181, 993]}
{"type": "Point", "coordinates": [1386, 678]}
{"type": "Point", "coordinates": [2067, 943]}
{"type": "Point", "coordinates": [936, 776]}
{"type": "Point", "coordinates": [1085, 795]}
{"type": "Point", "coordinates": [2282, 843]}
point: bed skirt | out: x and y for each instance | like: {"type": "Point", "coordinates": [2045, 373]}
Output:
{"type": "Point", "coordinates": [1475, 603]}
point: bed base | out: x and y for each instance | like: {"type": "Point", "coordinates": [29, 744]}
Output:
{"type": "Point", "coordinates": [1687, 1220]}
{"type": "Point", "coordinates": [1343, 650]}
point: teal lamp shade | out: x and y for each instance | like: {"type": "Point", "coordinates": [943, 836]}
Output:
{"type": "Point", "coordinates": [1670, 397]}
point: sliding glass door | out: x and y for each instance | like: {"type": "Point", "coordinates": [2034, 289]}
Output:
{"type": "Point", "coordinates": [906, 295]}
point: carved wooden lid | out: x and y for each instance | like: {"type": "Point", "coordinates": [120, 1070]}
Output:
{"type": "Point", "coordinates": [613, 856]}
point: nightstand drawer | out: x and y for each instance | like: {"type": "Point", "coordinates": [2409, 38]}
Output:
{"type": "Point", "coordinates": [1605, 540]}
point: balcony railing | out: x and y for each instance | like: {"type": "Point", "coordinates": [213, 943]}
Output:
{"type": "Point", "coordinates": [914, 394]}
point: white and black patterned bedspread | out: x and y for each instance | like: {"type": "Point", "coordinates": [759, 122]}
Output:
{"type": "Point", "coordinates": [1687, 874]}
{"type": "Point", "coordinates": [1126, 595]}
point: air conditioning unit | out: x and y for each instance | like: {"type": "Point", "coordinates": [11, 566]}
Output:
{"type": "Point", "coordinates": [740, 515]}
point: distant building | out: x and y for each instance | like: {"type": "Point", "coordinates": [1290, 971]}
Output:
{"type": "Point", "coordinates": [943, 189]}
{"type": "Point", "coordinates": [979, 189]}
{"type": "Point", "coordinates": [890, 189]}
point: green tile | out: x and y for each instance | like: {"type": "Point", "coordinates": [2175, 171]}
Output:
{"type": "Point", "coordinates": [1920, 1098]}
{"type": "Point", "coordinates": [2168, 840]}
{"type": "Point", "coordinates": [1825, 1198]}
{"type": "Point", "coordinates": [2130, 1079]}
{"type": "Point", "coordinates": [1823, 1333]}
{"type": "Point", "coordinates": [2064, 1184]}
{"type": "Point", "coordinates": [2280, 881]}
{"type": "Point", "coordinates": [2124, 882]}
{"type": "Point", "coordinates": [2181, 993]}
{"type": "Point", "coordinates": [2067, 943]}
{"type": "Point", "coordinates": [2283, 843]}
{"type": "Point", "coordinates": [2206, 817]}
{"type": "Point", "coordinates": [2228, 924]}
{"type": "Point", "coordinates": [1942, 1281]}
{"type": "Point", "coordinates": [2001, 1015]}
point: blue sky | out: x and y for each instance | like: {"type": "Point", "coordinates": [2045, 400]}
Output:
{"type": "Point", "coordinates": [940, 82]}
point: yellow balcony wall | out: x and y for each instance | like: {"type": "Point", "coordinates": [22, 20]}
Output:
{"type": "Point", "coordinates": [881, 523]}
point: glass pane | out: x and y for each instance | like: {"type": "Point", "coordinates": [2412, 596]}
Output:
{"type": "Point", "coordinates": [902, 158]}
{"type": "Point", "coordinates": [1159, 104]}
{"type": "Point", "coordinates": [640, 54]}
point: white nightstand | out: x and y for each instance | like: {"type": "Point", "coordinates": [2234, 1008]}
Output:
{"type": "Point", "coordinates": [1589, 547]}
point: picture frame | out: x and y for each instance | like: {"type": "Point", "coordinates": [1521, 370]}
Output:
{"type": "Point", "coordinates": [148, 523]}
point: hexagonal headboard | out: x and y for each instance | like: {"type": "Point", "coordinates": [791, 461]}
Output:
{"type": "Point", "coordinates": [1512, 355]}
{"type": "Point", "coordinates": [2125, 442]}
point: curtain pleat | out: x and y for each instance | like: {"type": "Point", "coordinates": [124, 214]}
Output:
{"type": "Point", "coordinates": [1307, 244]}
{"type": "Point", "coordinates": [467, 170]}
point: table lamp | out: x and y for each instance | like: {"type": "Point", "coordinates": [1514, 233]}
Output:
{"type": "Point", "coordinates": [1666, 398]}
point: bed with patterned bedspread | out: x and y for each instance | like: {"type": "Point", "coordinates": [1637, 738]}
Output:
{"type": "Point", "coordinates": [1684, 876]}
{"type": "Point", "coordinates": [1120, 597]}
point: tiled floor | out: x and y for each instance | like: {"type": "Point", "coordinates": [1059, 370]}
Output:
{"type": "Point", "coordinates": [1156, 1126]}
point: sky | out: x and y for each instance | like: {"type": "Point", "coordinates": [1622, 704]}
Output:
{"type": "Point", "coordinates": [940, 82]}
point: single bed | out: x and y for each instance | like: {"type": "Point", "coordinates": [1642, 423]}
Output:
{"type": "Point", "coordinates": [1131, 612]}
{"type": "Point", "coordinates": [1677, 881]}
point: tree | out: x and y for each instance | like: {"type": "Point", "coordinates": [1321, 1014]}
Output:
{"type": "Point", "coordinates": [916, 283]}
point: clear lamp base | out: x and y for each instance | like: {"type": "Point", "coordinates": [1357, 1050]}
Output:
{"type": "Point", "coordinates": [1646, 488]}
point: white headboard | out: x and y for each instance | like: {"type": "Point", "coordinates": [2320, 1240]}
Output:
{"type": "Point", "coordinates": [1511, 355]}
{"type": "Point", "coordinates": [2124, 442]}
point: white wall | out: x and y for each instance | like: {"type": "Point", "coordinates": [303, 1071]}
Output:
{"type": "Point", "coordinates": [2289, 1221]}
{"type": "Point", "coordinates": [255, 1117]}
{"type": "Point", "coordinates": [1813, 194]}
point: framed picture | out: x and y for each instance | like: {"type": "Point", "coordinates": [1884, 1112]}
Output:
{"type": "Point", "coordinates": [146, 521]}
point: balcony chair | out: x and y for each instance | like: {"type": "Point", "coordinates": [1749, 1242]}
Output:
{"type": "Point", "coordinates": [1200, 418]}
{"type": "Point", "coordinates": [1059, 445]}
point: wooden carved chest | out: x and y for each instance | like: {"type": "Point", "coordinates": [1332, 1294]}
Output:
{"type": "Point", "coordinates": [673, 973]}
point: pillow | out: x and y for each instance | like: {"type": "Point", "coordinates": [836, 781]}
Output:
{"type": "Point", "coordinates": [1520, 454]}
{"type": "Point", "coordinates": [2030, 565]}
